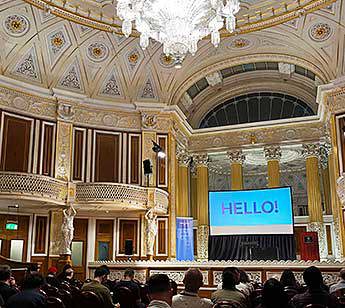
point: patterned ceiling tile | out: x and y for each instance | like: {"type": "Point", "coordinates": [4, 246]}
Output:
{"type": "Point", "coordinates": [111, 86]}
{"type": "Point", "coordinates": [45, 16]}
{"type": "Point", "coordinates": [71, 79]}
{"type": "Point", "coordinates": [58, 42]}
{"type": "Point", "coordinates": [28, 67]}
{"type": "Point", "coordinates": [16, 25]}
{"type": "Point", "coordinates": [320, 32]}
{"type": "Point", "coordinates": [149, 90]}
{"type": "Point", "coordinates": [97, 52]}
{"type": "Point", "coordinates": [133, 59]}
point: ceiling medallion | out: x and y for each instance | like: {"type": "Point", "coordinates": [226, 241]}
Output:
{"type": "Point", "coordinates": [97, 52]}
{"type": "Point", "coordinates": [320, 32]}
{"type": "Point", "coordinates": [16, 25]}
{"type": "Point", "coordinates": [178, 25]}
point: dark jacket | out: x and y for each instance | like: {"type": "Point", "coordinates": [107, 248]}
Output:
{"type": "Point", "coordinates": [6, 291]}
{"type": "Point", "coordinates": [314, 296]}
{"type": "Point", "coordinates": [27, 299]}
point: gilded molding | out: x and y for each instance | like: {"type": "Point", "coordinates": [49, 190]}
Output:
{"type": "Point", "coordinates": [273, 152]}
{"type": "Point", "coordinates": [200, 159]}
{"type": "Point", "coordinates": [236, 157]}
{"type": "Point", "coordinates": [311, 150]}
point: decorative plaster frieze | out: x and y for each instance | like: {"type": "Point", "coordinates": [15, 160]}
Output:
{"type": "Point", "coordinates": [273, 152]}
{"type": "Point", "coordinates": [311, 150]}
{"type": "Point", "coordinates": [236, 157]}
{"type": "Point", "coordinates": [200, 159]}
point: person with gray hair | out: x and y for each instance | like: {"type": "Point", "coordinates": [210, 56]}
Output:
{"type": "Point", "coordinates": [192, 281]}
{"type": "Point", "coordinates": [341, 284]}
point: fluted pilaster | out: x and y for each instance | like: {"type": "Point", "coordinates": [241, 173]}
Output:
{"type": "Point", "coordinates": [273, 155]}
{"type": "Point", "coordinates": [237, 159]}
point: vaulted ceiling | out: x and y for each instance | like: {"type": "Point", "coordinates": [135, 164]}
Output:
{"type": "Point", "coordinates": [72, 45]}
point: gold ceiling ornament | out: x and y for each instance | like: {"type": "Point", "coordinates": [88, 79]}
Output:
{"type": "Point", "coordinates": [256, 17]}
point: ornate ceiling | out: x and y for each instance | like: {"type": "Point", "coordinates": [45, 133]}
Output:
{"type": "Point", "coordinates": [52, 52]}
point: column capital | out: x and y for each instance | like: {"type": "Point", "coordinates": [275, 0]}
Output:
{"type": "Point", "coordinates": [273, 152]}
{"type": "Point", "coordinates": [183, 159]}
{"type": "Point", "coordinates": [200, 159]}
{"type": "Point", "coordinates": [236, 156]}
{"type": "Point", "coordinates": [325, 151]}
{"type": "Point", "coordinates": [311, 150]}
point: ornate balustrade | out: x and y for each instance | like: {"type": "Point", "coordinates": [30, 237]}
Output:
{"type": "Point", "coordinates": [123, 195]}
{"type": "Point", "coordinates": [33, 187]}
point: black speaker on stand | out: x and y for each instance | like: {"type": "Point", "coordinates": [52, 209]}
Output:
{"type": "Point", "coordinates": [129, 249]}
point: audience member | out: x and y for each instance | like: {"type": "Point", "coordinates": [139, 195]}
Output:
{"type": "Point", "coordinates": [6, 291]}
{"type": "Point", "coordinates": [66, 274]}
{"type": "Point", "coordinates": [192, 281]}
{"type": "Point", "coordinates": [315, 293]}
{"type": "Point", "coordinates": [160, 292]}
{"type": "Point", "coordinates": [244, 285]}
{"type": "Point", "coordinates": [98, 288]}
{"type": "Point", "coordinates": [30, 297]}
{"type": "Point", "coordinates": [288, 279]}
{"type": "Point", "coordinates": [341, 284]}
{"type": "Point", "coordinates": [128, 282]}
{"type": "Point", "coordinates": [229, 292]}
{"type": "Point", "coordinates": [51, 277]}
{"type": "Point", "coordinates": [273, 294]}
{"type": "Point", "coordinates": [236, 273]}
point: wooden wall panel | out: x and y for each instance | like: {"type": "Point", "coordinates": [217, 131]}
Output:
{"type": "Point", "coordinates": [134, 159]}
{"type": "Point", "coordinates": [128, 231]}
{"type": "Point", "coordinates": [329, 240]}
{"type": "Point", "coordinates": [162, 239]}
{"type": "Point", "coordinates": [47, 150]}
{"type": "Point", "coordinates": [80, 235]}
{"type": "Point", "coordinates": [107, 157]}
{"type": "Point", "coordinates": [104, 234]}
{"type": "Point", "coordinates": [16, 144]}
{"type": "Point", "coordinates": [297, 232]}
{"type": "Point", "coordinates": [342, 141]}
{"type": "Point", "coordinates": [78, 154]}
{"type": "Point", "coordinates": [40, 234]}
{"type": "Point", "coordinates": [162, 172]}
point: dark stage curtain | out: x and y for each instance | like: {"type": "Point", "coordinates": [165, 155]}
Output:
{"type": "Point", "coordinates": [238, 247]}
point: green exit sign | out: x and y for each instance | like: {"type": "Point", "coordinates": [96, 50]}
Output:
{"type": "Point", "coordinates": [11, 226]}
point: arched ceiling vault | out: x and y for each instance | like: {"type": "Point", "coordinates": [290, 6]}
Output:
{"type": "Point", "coordinates": [42, 49]}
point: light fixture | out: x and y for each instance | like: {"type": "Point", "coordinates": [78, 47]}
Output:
{"type": "Point", "coordinates": [180, 24]}
{"type": "Point", "coordinates": [158, 149]}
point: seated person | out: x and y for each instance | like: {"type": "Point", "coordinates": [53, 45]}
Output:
{"type": "Point", "coordinates": [51, 277]}
{"type": "Point", "coordinates": [244, 285]}
{"type": "Point", "coordinates": [288, 280]}
{"type": "Point", "coordinates": [128, 282]}
{"type": "Point", "coordinates": [341, 284]}
{"type": "Point", "coordinates": [30, 297]}
{"type": "Point", "coordinates": [160, 292]}
{"type": "Point", "coordinates": [273, 293]}
{"type": "Point", "coordinates": [98, 288]}
{"type": "Point", "coordinates": [229, 292]}
{"type": "Point", "coordinates": [192, 281]}
{"type": "Point", "coordinates": [6, 290]}
{"type": "Point", "coordinates": [315, 293]}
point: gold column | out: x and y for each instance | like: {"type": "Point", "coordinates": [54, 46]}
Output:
{"type": "Point", "coordinates": [237, 159]}
{"type": "Point", "coordinates": [183, 191]}
{"type": "Point", "coordinates": [326, 185]}
{"type": "Point", "coordinates": [273, 155]}
{"type": "Point", "coordinates": [201, 161]}
{"type": "Point", "coordinates": [311, 154]}
{"type": "Point", "coordinates": [193, 193]}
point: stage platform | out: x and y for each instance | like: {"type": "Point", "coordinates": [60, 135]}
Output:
{"type": "Point", "coordinates": [258, 270]}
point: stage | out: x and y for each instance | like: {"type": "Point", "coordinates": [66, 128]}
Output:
{"type": "Point", "coordinates": [259, 271]}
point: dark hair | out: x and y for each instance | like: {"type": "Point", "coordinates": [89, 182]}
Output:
{"type": "Point", "coordinates": [158, 283]}
{"type": "Point", "coordinates": [5, 274]}
{"type": "Point", "coordinates": [342, 273]}
{"type": "Point", "coordinates": [312, 277]}
{"type": "Point", "coordinates": [129, 272]}
{"type": "Point", "coordinates": [273, 293]}
{"type": "Point", "coordinates": [33, 281]}
{"type": "Point", "coordinates": [100, 271]}
{"type": "Point", "coordinates": [244, 276]}
{"type": "Point", "coordinates": [229, 279]}
{"type": "Point", "coordinates": [288, 279]}
{"type": "Point", "coordinates": [106, 268]}
{"type": "Point", "coordinates": [66, 267]}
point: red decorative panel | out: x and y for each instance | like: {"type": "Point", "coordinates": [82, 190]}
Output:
{"type": "Point", "coordinates": [134, 159]}
{"type": "Point", "coordinates": [40, 234]}
{"type": "Point", "coordinates": [47, 150]}
{"type": "Point", "coordinates": [128, 231]}
{"type": "Point", "coordinates": [107, 158]}
{"type": "Point", "coordinates": [78, 155]}
{"type": "Point", "coordinates": [15, 144]}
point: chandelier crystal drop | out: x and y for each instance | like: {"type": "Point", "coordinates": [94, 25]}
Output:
{"type": "Point", "coordinates": [178, 24]}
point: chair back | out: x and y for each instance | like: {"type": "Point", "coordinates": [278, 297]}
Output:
{"type": "Point", "coordinates": [50, 290]}
{"type": "Point", "coordinates": [226, 304]}
{"type": "Point", "coordinates": [125, 297]}
{"type": "Point", "coordinates": [315, 306]}
{"type": "Point", "coordinates": [54, 302]}
{"type": "Point", "coordinates": [88, 299]}
{"type": "Point", "coordinates": [66, 298]}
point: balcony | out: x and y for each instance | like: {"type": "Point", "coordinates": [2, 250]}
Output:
{"type": "Point", "coordinates": [15, 185]}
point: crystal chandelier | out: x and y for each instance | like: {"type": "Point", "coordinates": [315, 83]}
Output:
{"type": "Point", "coordinates": [178, 24]}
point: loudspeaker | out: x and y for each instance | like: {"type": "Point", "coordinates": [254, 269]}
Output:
{"type": "Point", "coordinates": [269, 253]}
{"type": "Point", "coordinates": [147, 166]}
{"type": "Point", "coordinates": [128, 247]}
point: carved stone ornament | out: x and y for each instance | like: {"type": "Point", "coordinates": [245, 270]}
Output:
{"type": "Point", "coordinates": [200, 159]}
{"type": "Point", "coordinates": [151, 231]}
{"type": "Point", "coordinates": [214, 79]}
{"type": "Point", "coordinates": [65, 112]}
{"type": "Point", "coordinates": [341, 189]}
{"type": "Point", "coordinates": [184, 159]}
{"type": "Point", "coordinates": [203, 232]}
{"type": "Point", "coordinates": [320, 229]}
{"type": "Point", "coordinates": [311, 150]}
{"type": "Point", "coordinates": [67, 230]}
{"type": "Point", "coordinates": [149, 121]}
{"type": "Point", "coordinates": [273, 152]}
{"type": "Point", "coordinates": [325, 151]}
{"type": "Point", "coordinates": [236, 156]}
{"type": "Point", "coordinates": [338, 242]}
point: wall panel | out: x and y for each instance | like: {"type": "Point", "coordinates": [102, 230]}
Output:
{"type": "Point", "coordinates": [134, 159]}
{"type": "Point", "coordinates": [104, 239]}
{"type": "Point", "coordinates": [40, 235]}
{"type": "Point", "coordinates": [79, 148]}
{"type": "Point", "coordinates": [162, 237]}
{"type": "Point", "coordinates": [47, 149]}
{"type": "Point", "coordinates": [162, 163]}
{"type": "Point", "coordinates": [128, 230]}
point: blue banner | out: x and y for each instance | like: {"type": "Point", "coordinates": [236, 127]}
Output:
{"type": "Point", "coordinates": [184, 239]}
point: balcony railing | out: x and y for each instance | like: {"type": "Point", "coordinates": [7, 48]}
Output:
{"type": "Point", "coordinates": [32, 186]}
